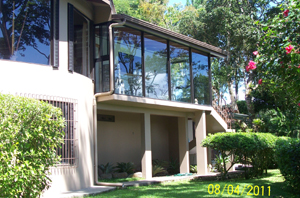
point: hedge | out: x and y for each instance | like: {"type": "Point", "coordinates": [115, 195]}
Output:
{"type": "Point", "coordinates": [288, 158]}
{"type": "Point", "coordinates": [30, 132]}
{"type": "Point", "coordinates": [247, 148]}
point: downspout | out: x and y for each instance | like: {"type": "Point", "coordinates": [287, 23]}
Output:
{"type": "Point", "coordinates": [111, 61]}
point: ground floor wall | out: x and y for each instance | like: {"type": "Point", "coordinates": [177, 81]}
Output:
{"type": "Point", "coordinates": [44, 82]}
{"type": "Point", "coordinates": [121, 140]}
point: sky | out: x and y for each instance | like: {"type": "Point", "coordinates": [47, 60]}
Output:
{"type": "Point", "coordinates": [171, 2]}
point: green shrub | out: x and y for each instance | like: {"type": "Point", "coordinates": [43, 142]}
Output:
{"type": "Point", "coordinates": [193, 168]}
{"type": "Point", "coordinates": [173, 166]}
{"type": "Point", "coordinates": [248, 148]}
{"type": "Point", "coordinates": [125, 167]}
{"type": "Point", "coordinates": [30, 132]}
{"type": "Point", "coordinates": [242, 105]}
{"type": "Point", "coordinates": [287, 152]}
{"type": "Point", "coordinates": [157, 169]}
{"type": "Point", "coordinates": [107, 168]}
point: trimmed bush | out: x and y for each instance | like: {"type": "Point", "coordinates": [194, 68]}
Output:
{"type": "Point", "coordinates": [247, 148]}
{"type": "Point", "coordinates": [30, 132]}
{"type": "Point", "coordinates": [287, 152]}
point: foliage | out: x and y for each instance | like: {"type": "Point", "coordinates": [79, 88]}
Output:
{"type": "Point", "coordinates": [242, 105]}
{"type": "Point", "coordinates": [278, 56]}
{"type": "Point", "coordinates": [279, 123]}
{"type": "Point", "coordinates": [157, 169]}
{"type": "Point", "coordinates": [30, 132]}
{"type": "Point", "coordinates": [107, 168]}
{"type": "Point", "coordinates": [173, 166]}
{"type": "Point", "coordinates": [288, 158]}
{"type": "Point", "coordinates": [219, 162]}
{"type": "Point", "coordinates": [247, 148]}
{"type": "Point", "coordinates": [193, 168]}
{"type": "Point", "coordinates": [125, 167]}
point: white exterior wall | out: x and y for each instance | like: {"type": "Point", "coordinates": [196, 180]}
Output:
{"type": "Point", "coordinates": [27, 78]}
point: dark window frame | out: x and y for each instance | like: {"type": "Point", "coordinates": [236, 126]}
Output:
{"type": "Point", "coordinates": [90, 57]}
{"type": "Point", "coordinates": [208, 55]}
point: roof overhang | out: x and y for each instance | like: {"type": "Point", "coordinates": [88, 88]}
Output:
{"type": "Point", "coordinates": [170, 35]}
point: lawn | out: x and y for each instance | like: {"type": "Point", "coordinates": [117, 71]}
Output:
{"type": "Point", "coordinates": [273, 186]}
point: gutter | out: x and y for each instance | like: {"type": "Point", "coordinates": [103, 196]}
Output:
{"type": "Point", "coordinates": [111, 61]}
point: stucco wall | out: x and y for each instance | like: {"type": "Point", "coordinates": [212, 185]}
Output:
{"type": "Point", "coordinates": [27, 78]}
{"type": "Point", "coordinates": [120, 141]}
{"type": "Point", "coordinates": [18, 77]}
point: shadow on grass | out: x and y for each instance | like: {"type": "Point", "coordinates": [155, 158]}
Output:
{"type": "Point", "coordinates": [271, 186]}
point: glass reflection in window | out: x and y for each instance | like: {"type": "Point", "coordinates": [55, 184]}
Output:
{"type": "Point", "coordinates": [180, 73]}
{"type": "Point", "coordinates": [156, 71]}
{"type": "Point", "coordinates": [200, 78]}
{"type": "Point", "coordinates": [25, 31]}
{"type": "Point", "coordinates": [128, 61]}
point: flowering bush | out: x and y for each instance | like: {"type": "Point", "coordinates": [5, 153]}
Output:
{"type": "Point", "coordinates": [278, 53]}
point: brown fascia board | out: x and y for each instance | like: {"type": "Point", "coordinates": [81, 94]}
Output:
{"type": "Point", "coordinates": [170, 35]}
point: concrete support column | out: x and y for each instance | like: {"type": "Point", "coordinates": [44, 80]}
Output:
{"type": "Point", "coordinates": [184, 161]}
{"type": "Point", "coordinates": [146, 147]}
{"type": "Point", "coordinates": [200, 133]}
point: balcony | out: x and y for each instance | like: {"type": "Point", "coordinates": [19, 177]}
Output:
{"type": "Point", "coordinates": [146, 65]}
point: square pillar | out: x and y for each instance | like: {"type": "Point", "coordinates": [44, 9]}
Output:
{"type": "Point", "coordinates": [200, 133]}
{"type": "Point", "coordinates": [146, 147]}
{"type": "Point", "coordinates": [184, 161]}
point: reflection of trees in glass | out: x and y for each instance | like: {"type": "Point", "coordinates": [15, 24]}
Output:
{"type": "Point", "coordinates": [156, 75]}
{"type": "Point", "coordinates": [180, 74]}
{"type": "Point", "coordinates": [128, 71]}
{"type": "Point", "coordinates": [25, 28]}
{"type": "Point", "coordinates": [201, 78]}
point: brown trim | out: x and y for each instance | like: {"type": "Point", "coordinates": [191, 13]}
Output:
{"type": "Point", "coordinates": [170, 35]}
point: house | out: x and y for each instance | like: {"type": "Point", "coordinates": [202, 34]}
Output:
{"type": "Point", "coordinates": [130, 91]}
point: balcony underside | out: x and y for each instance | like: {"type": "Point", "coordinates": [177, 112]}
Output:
{"type": "Point", "coordinates": [214, 121]}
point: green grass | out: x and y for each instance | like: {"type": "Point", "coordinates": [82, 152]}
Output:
{"type": "Point", "coordinates": [191, 189]}
{"type": "Point", "coordinates": [120, 180]}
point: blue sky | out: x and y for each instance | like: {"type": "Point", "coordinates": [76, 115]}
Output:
{"type": "Point", "coordinates": [171, 2]}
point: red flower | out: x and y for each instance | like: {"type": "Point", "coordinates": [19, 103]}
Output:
{"type": "Point", "coordinates": [299, 104]}
{"type": "Point", "coordinates": [255, 53]}
{"type": "Point", "coordinates": [260, 81]}
{"type": "Point", "coordinates": [289, 49]}
{"type": "Point", "coordinates": [247, 68]}
{"type": "Point", "coordinates": [299, 66]}
{"type": "Point", "coordinates": [251, 65]}
{"type": "Point", "coordinates": [281, 62]}
{"type": "Point", "coordinates": [290, 66]}
{"type": "Point", "coordinates": [286, 13]}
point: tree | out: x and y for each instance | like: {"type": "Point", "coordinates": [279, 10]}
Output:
{"type": "Point", "coordinates": [230, 26]}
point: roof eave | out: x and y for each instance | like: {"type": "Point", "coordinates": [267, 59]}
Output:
{"type": "Point", "coordinates": [170, 35]}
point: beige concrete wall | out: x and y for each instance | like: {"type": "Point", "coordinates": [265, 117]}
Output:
{"type": "Point", "coordinates": [120, 141]}
{"type": "Point", "coordinates": [160, 137]}
{"type": "Point", "coordinates": [173, 138]}
{"type": "Point", "coordinates": [18, 77]}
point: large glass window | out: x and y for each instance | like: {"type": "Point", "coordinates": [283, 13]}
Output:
{"type": "Point", "coordinates": [102, 68]}
{"type": "Point", "coordinates": [25, 30]}
{"type": "Point", "coordinates": [81, 43]}
{"type": "Point", "coordinates": [180, 73]}
{"type": "Point", "coordinates": [156, 70]}
{"type": "Point", "coordinates": [128, 61]}
{"type": "Point", "coordinates": [201, 78]}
